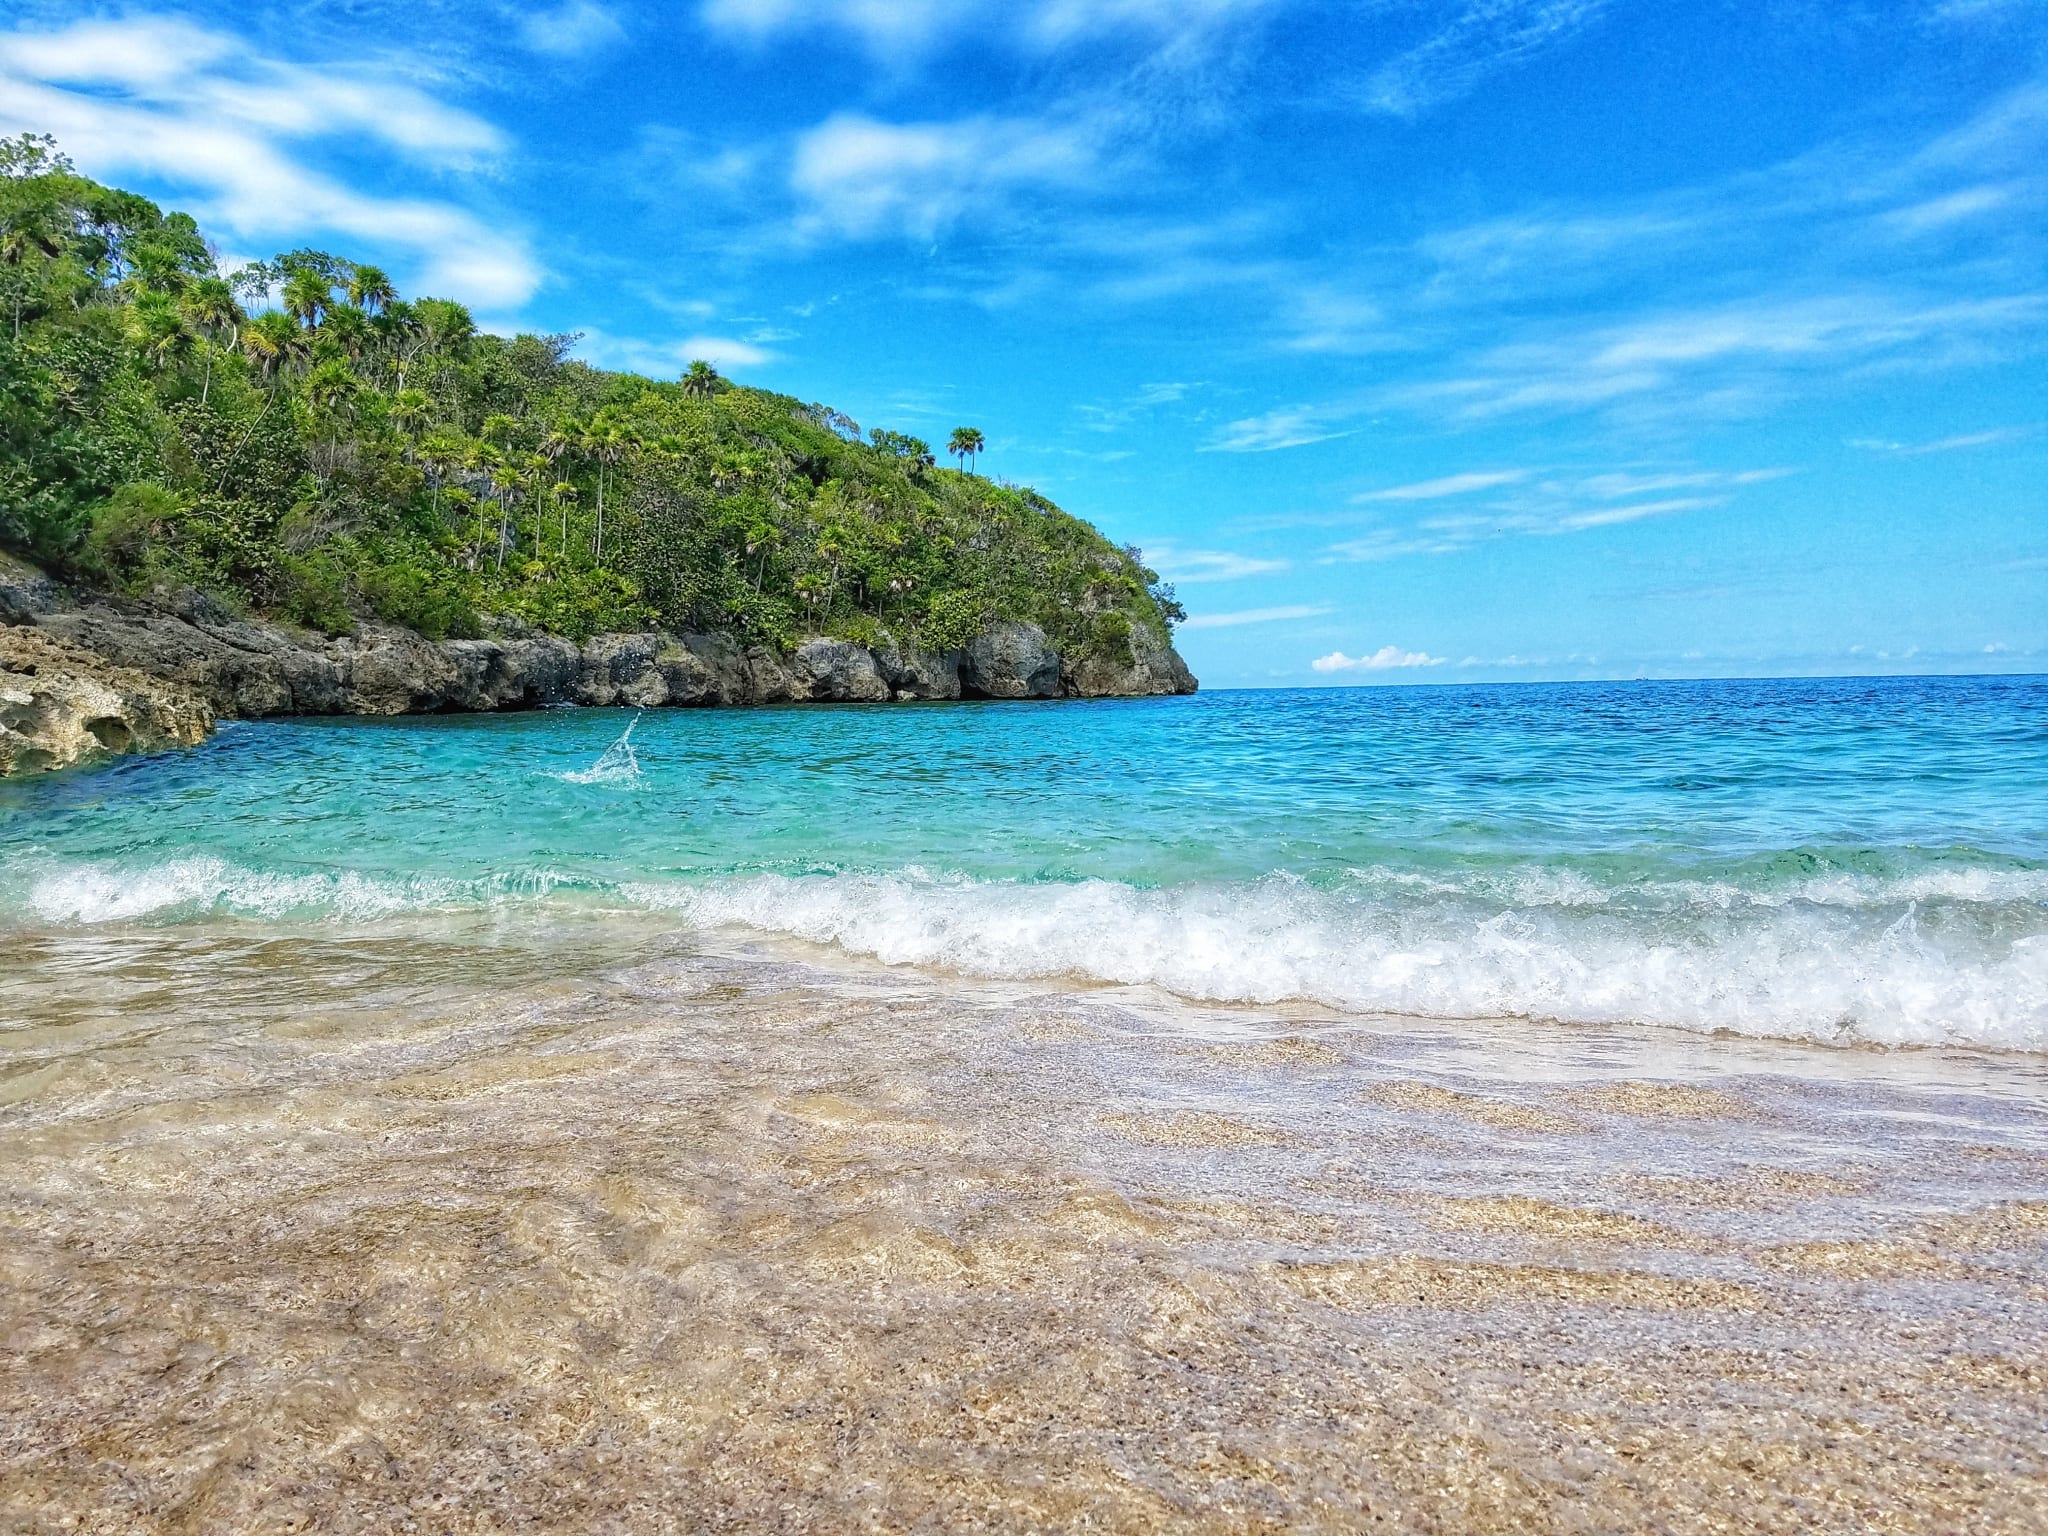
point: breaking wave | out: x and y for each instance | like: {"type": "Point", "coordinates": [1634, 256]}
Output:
{"type": "Point", "coordinates": [1934, 957]}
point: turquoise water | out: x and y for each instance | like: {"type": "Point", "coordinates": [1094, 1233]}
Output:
{"type": "Point", "coordinates": [1861, 860]}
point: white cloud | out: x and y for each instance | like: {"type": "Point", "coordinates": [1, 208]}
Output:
{"type": "Point", "coordinates": [1953, 444]}
{"type": "Point", "coordinates": [1607, 517]}
{"type": "Point", "coordinates": [859, 177]}
{"type": "Point", "coordinates": [890, 28]}
{"type": "Point", "coordinates": [576, 27]}
{"type": "Point", "coordinates": [1290, 428]}
{"type": "Point", "coordinates": [1252, 616]}
{"type": "Point", "coordinates": [1485, 35]}
{"type": "Point", "coordinates": [1191, 566]}
{"type": "Point", "coordinates": [169, 101]}
{"type": "Point", "coordinates": [1526, 506]}
{"type": "Point", "coordinates": [1387, 658]}
{"type": "Point", "coordinates": [667, 359]}
{"type": "Point", "coordinates": [1447, 485]}
{"type": "Point", "coordinates": [1950, 208]}
{"type": "Point", "coordinates": [1749, 346]}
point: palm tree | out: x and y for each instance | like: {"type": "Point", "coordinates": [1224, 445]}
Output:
{"type": "Point", "coordinates": [505, 484]}
{"type": "Point", "coordinates": [210, 306]}
{"type": "Point", "coordinates": [565, 498]}
{"type": "Point", "coordinates": [563, 440]}
{"type": "Point", "coordinates": [608, 443]}
{"type": "Point", "coordinates": [160, 330]}
{"type": "Point", "coordinates": [498, 428]}
{"type": "Point", "coordinates": [332, 388]}
{"type": "Point", "coordinates": [307, 296]}
{"type": "Point", "coordinates": [537, 476]}
{"type": "Point", "coordinates": [368, 288]}
{"type": "Point", "coordinates": [967, 443]}
{"type": "Point", "coordinates": [458, 498]}
{"type": "Point", "coordinates": [441, 454]}
{"type": "Point", "coordinates": [274, 340]}
{"type": "Point", "coordinates": [397, 327]}
{"type": "Point", "coordinates": [348, 328]}
{"type": "Point", "coordinates": [444, 324]}
{"type": "Point", "coordinates": [410, 412]}
{"type": "Point", "coordinates": [702, 380]}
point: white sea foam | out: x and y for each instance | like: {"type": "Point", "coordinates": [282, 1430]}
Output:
{"type": "Point", "coordinates": [1957, 958]}
{"type": "Point", "coordinates": [105, 893]}
{"type": "Point", "coordinates": [1815, 974]}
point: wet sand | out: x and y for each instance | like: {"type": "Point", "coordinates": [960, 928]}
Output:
{"type": "Point", "coordinates": [493, 1228]}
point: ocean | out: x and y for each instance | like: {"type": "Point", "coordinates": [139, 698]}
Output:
{"type": "Point", "coordinates": [1851, 861]}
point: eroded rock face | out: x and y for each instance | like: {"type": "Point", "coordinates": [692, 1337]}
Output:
{"type": "Point", "coordinates": [198, 650]}
{"type": "Point", "coordinates": [1149, 666]}
{"type": "Point", "coordinates": [1010, 661]}
{"type": "Point", "coordinates": [61, 705]}
{"type": "Point", "coordinates": [836, 672]}
{"type": "Point", "coordinates": [918, 674]}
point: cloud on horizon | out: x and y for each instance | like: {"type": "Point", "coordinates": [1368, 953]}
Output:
{"type": "Point", "coordinates": [1388, 658]}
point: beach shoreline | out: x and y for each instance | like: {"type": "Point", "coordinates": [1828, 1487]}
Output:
{"type": "Point", "coordinates": [479, 1224]}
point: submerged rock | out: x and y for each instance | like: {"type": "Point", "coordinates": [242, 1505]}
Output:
{"type": "Point", "coordinates": [60, 704]}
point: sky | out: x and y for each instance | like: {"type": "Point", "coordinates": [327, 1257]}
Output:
{"type": "Point", "coordinates": [1414, 340]}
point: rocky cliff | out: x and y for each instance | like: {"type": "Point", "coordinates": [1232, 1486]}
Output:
{"type": "Point", "coordinates": [60, 704]}
{"type": "Point", "coordinates": [202, 660]}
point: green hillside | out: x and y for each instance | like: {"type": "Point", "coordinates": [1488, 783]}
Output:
{"type": "Point", "coordinates": [301, 440]}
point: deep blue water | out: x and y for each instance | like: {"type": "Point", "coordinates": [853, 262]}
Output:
{"type": "Point", "coordinates": [1838, 859]}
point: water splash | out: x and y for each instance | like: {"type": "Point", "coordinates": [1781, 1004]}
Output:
{"type": "Point", "coordinates": [618, 765]}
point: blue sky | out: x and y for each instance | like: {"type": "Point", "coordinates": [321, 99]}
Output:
{"type": "Point", "coordinates": [1415, 339]}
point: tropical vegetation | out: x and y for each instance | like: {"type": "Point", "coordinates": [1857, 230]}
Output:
{"type": "Point", "coordinates": [297, 438]}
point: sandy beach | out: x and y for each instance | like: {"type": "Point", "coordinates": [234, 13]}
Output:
{"type": "Point", "coordinates": [427, 1228]}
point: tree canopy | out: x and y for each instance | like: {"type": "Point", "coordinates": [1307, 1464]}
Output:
{"type": "Point", "coordinates": [297, 437]}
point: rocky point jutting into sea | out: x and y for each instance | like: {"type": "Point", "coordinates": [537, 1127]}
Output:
{"type": "Point", "coordinates": [86, 674]}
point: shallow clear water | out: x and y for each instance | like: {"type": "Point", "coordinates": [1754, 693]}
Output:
{"type": "Point", "coordinates": [474, 1123]}
{"type": "Point", "coordinates": [1842, 860]}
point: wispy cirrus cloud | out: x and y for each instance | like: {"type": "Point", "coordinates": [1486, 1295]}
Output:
{"type": "Point", "coordinates": [169, 100]}
{"type": "Point", "coordinates": [1523, 505]}
{"type": "Point", "coordinates": [1752, 350]}
{"type": "Point", "coordinates": [1479, 38]}
{"type": "Point", "coordinates": [1188, 567]}
{"type": "Point", "coordinates": [1292, 427]}
{"type": "Point", "coordinates": [1446, 485]}
{"type": "Point", "coordinates": [1952, 444]}
{"type": "Point", "coordinates": [1254, 616]}
{"type": "Point", "coordinates": [920, 26]}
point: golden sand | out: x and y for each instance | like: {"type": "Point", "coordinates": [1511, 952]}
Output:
{"type": "Point", "coordinates": [407, 1231]}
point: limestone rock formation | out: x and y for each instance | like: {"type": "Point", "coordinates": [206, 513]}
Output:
{"type": "Point", "coordinates": [1010, 661]}
{"type": "Point", "coordinates": [919, 674]}
{"type": "Point", "coordinates": [1149, 666]}
{"type": "Point", "coordinates": [60, 705]}
{"type": "Point", "coordinates": [182, 658]}
{"type": "Point", "coordinates": [836, 672]}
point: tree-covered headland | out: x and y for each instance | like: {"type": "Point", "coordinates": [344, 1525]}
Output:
{"type": "Point", "coordinates": [300, 440]}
